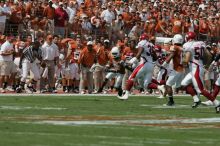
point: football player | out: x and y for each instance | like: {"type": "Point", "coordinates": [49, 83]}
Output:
{"type": "Point", "coordinates": [194, 56]}
{"type": "Point", "coordinates": [114, 69]}
{"type": "Point", "coordinates": [144, 70]}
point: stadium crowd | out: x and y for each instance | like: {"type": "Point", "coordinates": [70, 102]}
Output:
{"type": "Point", "coordinates": [84, 46]}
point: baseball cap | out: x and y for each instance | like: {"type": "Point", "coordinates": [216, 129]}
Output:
{"type": "Point", "coordinates": [106, 41]}
{"type": "Point", "coordinates": [89, 43]}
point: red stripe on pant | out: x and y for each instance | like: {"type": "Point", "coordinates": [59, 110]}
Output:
{"type": "Point", "coordinates": [198, 80]}
{"type": "Point", "coordinates": [134, 73]}
{"type": "Point", "coordinates": [130, 81]}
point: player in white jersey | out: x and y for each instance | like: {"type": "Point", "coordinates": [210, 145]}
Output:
{"type": "Point", "coordinates": [144, 70]}
{"type": "Point", "coordinates": [194, 53]}
{"type": "Point", "coordinates": [215, 64]}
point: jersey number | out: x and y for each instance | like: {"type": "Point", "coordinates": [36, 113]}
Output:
{"type": "Point", "coordinates": [198, 53]}
{"type": "Point", "coordinates": [150, 50]}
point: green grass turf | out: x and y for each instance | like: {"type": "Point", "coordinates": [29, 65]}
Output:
{"type": "Point", "coordinates": [18, 117]}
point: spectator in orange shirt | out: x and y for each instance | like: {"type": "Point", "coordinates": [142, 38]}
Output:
{"type": "Point", "coordinates": [102, 59]}
{"type": "Point", "coordinates": [204, 29]}
{"type": "Point", "coordinates": [160, 27]}
{"type": "Point", "coordinates": [213, 30]}
{"type": "Point", "coordinates": [177, 25]}
{"type": "Point", "coordinates": [86, 60]}
{"type": "Point", "coordinates": [49, 13]}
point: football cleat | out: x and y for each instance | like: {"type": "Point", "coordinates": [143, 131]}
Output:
{"type": "Point", "coordinates": [196, 104]}
{"type": "Point", "coordinates": [207, 103]}
{"type": "Point", "coordinates": [31, 88]}
{"type": "Point", "coordinates": [170, 103]}
{"type": "Point", "coordinates": [120, 92]}
{"type": "Point", "coordinates": [161, 97]}
{"type": "Point", "coordinates": [217, 109]}
{"type": "Point", "coordinates": [124, 95]}
{"type": "Point", "coordinates": [18, 90]}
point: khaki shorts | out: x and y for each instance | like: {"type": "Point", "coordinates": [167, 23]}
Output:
{"type": "Point", "coordinates": [7, 67]}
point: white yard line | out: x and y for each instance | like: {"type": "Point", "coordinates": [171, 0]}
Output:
{"type": "Point", "coordinates": [23, 94]}
{"type": "Point", "coordinates": [178, 106]}
{"type": "Point", "coordinates": [131, 122]}
{"type": "Point", "coordinates": [30, 107]}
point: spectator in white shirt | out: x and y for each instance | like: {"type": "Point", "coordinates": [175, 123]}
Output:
{"type": "Point", "coordinates": [4, 12]}
{"type": "Point", "coordinates": [86, 25]}
{"type": "Point", "coordinates": [108, 15]}
{"type": "Point", "coordinates": [71, 11]}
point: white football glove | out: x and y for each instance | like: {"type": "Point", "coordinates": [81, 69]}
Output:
{"type": "Point", "coordinates": [134, 60]}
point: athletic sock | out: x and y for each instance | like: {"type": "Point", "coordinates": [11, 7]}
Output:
{"type": "Point", "coordinates": [64, 88]}
{"type": "Point", "coordinates": [22, 85]}
{"type": "Point", "coordinates": [171, 99]}
{"type": "Point", "coordinates": [208, 95]}
{"type": "Point", "coordinates": [216, 102]}
{"type": "Point", "coordinates": [5, 84]}
{"type": "Point", "coordinates": [196, 98]}
{"type": "Point", "coordinates": [216, 91]}
{"type": "Point", "coordinates": [190, 90]}
{"type": "Point", "coordinates": [129, 85]}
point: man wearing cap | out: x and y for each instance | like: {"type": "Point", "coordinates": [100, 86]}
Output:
{"type": "Point", "coordinates": [86, 60]}
{"type": "Point", "coordinates": [102, 58]}
{"type": "Point", "coordinates": [50, 56]}
{"type": "Point", "coordinates": [7, 66]}
{"type": "Point", "coordinates": [49, 13]}
{"type": "Point", "coordinates": [86, 25]}
{"type": "Point", "coordinates": [61, 18]}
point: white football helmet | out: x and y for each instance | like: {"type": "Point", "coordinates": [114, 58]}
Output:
{"type": "Point", "coordinates": [177, 39]}
{"type": "Point", "coordinates": [115, 52]}
{"type": "Point", "coordinates": [61, 57]}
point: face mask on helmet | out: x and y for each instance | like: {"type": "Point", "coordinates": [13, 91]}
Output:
{"type": "Point", "coordinates": [115, 52]}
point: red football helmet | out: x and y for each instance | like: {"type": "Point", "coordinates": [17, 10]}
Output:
{"type": "Point", "coordinates": [190, 36]}
{"type": "Point", "coordinates": [144, 36]}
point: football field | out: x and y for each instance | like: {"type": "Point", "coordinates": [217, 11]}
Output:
{"type": "Point", "coordinates": [58, 120]}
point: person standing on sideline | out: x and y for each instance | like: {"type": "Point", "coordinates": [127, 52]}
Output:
{"type": "Point", "coordinates": [7, 66]}
{"type": "Point", "coordinates": [50, 57]}
{"type": "Point", "coordinates": [86, 60]}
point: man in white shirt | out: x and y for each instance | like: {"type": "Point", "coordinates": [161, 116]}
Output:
{"type": "Point", "coordinates": [4, 12]}
{"type": "Point", "coordinates": [108, 15]}
{"type": "Point", "coordinates": [50, 56]}
{"type": "Point", "coordinates": [7, 66]}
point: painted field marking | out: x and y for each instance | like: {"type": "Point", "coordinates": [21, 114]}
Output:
{"type": "Point", "coordinates": [177, 106]}
{"type": "Point", "coordinates": [131, 122]}
{"type": "Point", "coordinates": [29, 107]}
{"type": "Point", "coordinates": [84, 95]}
